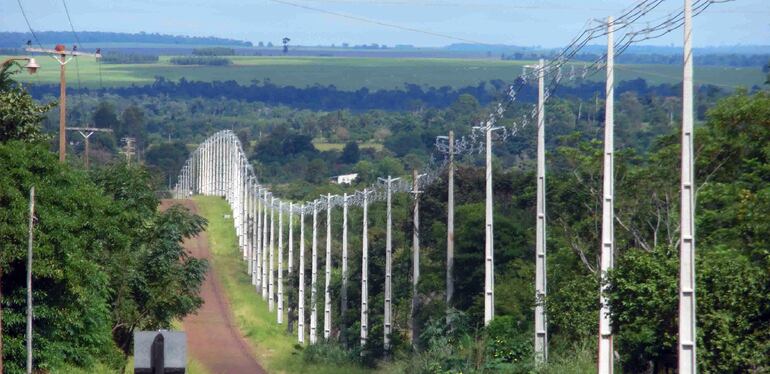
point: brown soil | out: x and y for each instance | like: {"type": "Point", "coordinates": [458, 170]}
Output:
{"type": "Point", "coordinates": [212, 337]}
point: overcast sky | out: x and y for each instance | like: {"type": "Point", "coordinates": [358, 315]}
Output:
{"type": "Point", "coordinates": [548, 23]}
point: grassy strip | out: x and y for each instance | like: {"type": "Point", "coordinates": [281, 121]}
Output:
{"type": "Point", "coordinates": [273, 345]}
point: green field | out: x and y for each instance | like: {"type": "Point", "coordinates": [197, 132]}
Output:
{"type": "Point", "coordinates": [354, 73]}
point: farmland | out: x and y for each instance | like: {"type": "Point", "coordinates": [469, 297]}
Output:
{"type": "Point", "coordinates": [356, 73]}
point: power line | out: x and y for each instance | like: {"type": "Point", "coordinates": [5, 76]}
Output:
{"type": "Point", "coordinates": [24, 14]}
{"type": "Point", "coordinates": [380, 23]}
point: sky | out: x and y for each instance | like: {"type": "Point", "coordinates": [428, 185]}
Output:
{"type": "Point", "coordinates": [430, 23]}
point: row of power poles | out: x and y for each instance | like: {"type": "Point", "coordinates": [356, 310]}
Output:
{"type": "Point", "coordinates": [219, 167]}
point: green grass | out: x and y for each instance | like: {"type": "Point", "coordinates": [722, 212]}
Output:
{"type": "Point", "coordinates": [322, 145]}
{"type": "Point", "coordinates": [273, 345]}
{"type": "Point", "coordinates": [348, 73]}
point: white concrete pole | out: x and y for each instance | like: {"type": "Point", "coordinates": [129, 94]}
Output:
{"type": "Point", "coordinates": [489, 247]}
{"type": "Point", "coordinates": [265, 246]}
{"type": "Point", "coordinates": [541, 323]}
{"type": "Point", "coordinates": [256, 277]}
{"type": "Point", "coordinates": [301, 301]}
{"type": "Point", "coordinates": [328, 270]}
{"type": "Point", "coordinates": [314, 278]}
{"type": "Point", "coordinates": [450, 222]}
{"type": "Point", "coordinates": [250, 226]}
{"type": "Point", "coordinates": [365, 274]}
{"type": "Point", "coordinates": [687, 319]}
{"type": "Point", "coordinates": [607, 250]}
{"type": "Point", "coordinates": [280, 263]}
{"type": "Point", "coordinates": [291, 237]}
{"type": "Point", "coordinates": [388, 310]}
{"type": "Point", "coordinates": [271, 259]}
{"type": "Point", "coordinates": [344, 288]}
{"type": "Point", "coordinates": [415, 261]}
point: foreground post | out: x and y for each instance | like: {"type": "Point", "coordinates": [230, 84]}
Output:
{"type": "Point", "coordinates": [280, 263]}
{"type": "Point", "coordinates": [687, 336]}
{"type": "Point", "coordinates": [450, 222]}
{"type": "Point", "coordinates": [541, 324]}
{"type": "Point", "coordinates": [608, 215]}
{"type": "Point", "coordinates": [328, 270]}
{"type": "Point", "coordinates": [29, 277]}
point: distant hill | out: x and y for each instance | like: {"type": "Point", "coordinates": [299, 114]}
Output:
{"type": "Point", "coordinates": [17, 39]}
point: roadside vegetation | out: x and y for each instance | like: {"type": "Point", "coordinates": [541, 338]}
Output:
{"type": "Point", "coordinates": [106, 261]}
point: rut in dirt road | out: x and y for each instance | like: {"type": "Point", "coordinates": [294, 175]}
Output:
{"type": "Point", "coordinates": [212, 337]}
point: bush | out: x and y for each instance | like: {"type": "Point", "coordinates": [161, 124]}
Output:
{"type": "Point", "coordinates": [128, 58]}
{"type": "Point", "coordinates": [201, 60]}
{"type": "Point", "coordinates": [507, 341]}
{"type": "Point", "coordinates": [214, 51]}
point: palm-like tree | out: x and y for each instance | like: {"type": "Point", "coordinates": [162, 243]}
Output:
{"type": "Point", "coordinates": [286, 45]}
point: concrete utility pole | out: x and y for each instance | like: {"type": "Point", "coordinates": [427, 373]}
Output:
{"type": "Point", "coordinates": [328, 270]}
{"type": "Point", "coordinates": [86, 133]}
{"type": "Point", "coordinates": [265, 246]}
{"type": "Point", "coordinates": [62, 56]}
{"type": "Point", "coordinates": [253, 197]}
{"type": "Point", "coordinates": [271, 266]}
{"type": "Point", "coordinates": [687, 320]}
{"type": "Point", "coordinates": [314, 278]}
{"type": "Point", "coordinates": [301, 301]}
{"type": "Point", "coordinates": [129, 149]}
{"type": "Point", "coordinates": [489, 233]}
{"type": "Point", "coordinates": [541, 323]}
{"type": "Point", "coordinates": [388, 312]}
{"type": "Point", "coordinates": [365, 272]}
{"type": "Point", "coordinates": [291, 237]}
{"type": "Point", "coordinates": [607, 250]}
{"type": "Point", "coordinates": [29, 276]}
{"type": "Point", "coordinates": [450, 223]}
{"type": "Point", "coordinates": [250, 227]}
{"type": "Point", "coordinates": [280, 263]}
{"type": "Point", "coordinates": [344, 288]}
{"type": "Point", "coordinates": [256, 278]}
{"type": "Point", "coordinates": [415, 259]}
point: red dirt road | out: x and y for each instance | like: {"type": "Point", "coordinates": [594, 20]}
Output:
{"type": "Point", "coordinates": [212, 337]}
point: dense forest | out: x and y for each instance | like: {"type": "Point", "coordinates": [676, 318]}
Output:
{"type": "Point", "coordinates": [327, 98]}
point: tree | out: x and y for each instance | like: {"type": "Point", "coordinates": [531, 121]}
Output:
{"type": "Point", "coordinates": [20, 116]}
{"type": "Point", "coordinates": [72, 321]}
{"type": "Point", "coordinates": [350, 154]}
{"type": "Point", "coordinates": [286, 45]}
{"type": "Point", "coordinates": [154, 280]}
{"type": "Point", "coordinates": [168, 158]}
{"type": "Point", "coordinates": [106, 117]}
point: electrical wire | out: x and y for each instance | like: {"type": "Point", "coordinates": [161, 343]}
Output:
{"type": "Point", "coordinates": [29, 26]}
{"type": "Point", "coordinates": [380, 23]}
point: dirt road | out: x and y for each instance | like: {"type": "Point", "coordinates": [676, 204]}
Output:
{"type": "Point", "coordinates": [212, 337]}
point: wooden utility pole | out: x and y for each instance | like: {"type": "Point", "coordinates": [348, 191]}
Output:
{"type": "Point", "coordinates": [86, 133]}
{"type": "Point", "coordinates": [63, 56]}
